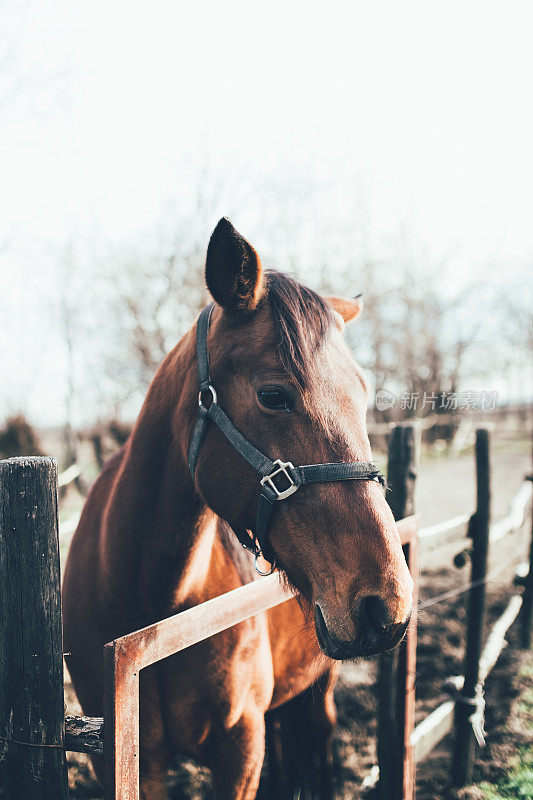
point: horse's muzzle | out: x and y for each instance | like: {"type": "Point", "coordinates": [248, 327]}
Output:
{"type": "Point", "coordinates": [372, 638]}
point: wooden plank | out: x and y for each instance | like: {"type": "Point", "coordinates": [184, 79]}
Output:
{"type": "Point", "coordinates": [68, 527]}
{"type": "Point", "coordinates": [388, 750]}
{"type": "Point", "coordinates": [439, 533]}
{"type": "Point", "coordinates": [433, 535]}
{"type": "Point", "coordinates": [432, 729]}
{"type": "Point", "coordinates": [84, 735]}
{"type": "Point", "coordinates": [176, 633]}
{"type": "Point", "coordinates": [496, 641]}
{"type": "Point", "coordinates": [408, 528]}
{"type": "Point", "coordinates": [121, 715]}
{"type": "Point", "coordinates": [515, 519]}
{"type": "Point", "coordinates": [31, 652]}
{"type": "Point", "coordinates": [69, 475]}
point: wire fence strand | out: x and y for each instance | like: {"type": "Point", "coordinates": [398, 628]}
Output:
{"type": "Point", "coordinates": [465, 587]}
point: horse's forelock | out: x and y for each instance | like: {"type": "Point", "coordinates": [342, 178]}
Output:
{"type": "Point", "coordinates": [301, 320]}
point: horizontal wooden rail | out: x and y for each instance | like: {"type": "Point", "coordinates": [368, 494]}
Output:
{"type": "Point", "coordinates": [516, 515]}
{"type": "Point", "coordinates": [435, 535]}
{"type": "Point", "coordinates": [432, 729]}
{"type": "Point", "coordinates": [423, 423]}
{"type": "Point", "coordinates": [176, 633]}
{"type": "Point", "coordinates": [496, 641]}
{"type": "Point", "coordinates": [68, 527]}
{"type": "Point", "coordinates": [84, 735]}
{"type": "Point", "coordinates": [408, 528]}
{"type": "Point", "coordinates": [69, 475]}
{"type": "Point", "coordinates": [141, 648]}
{"type": "Point", "coordinates": [495, 644]}
{"type": "Point", "coordinates": [449, 525]}
{"type": "Point", "coordinates": [169, 636]}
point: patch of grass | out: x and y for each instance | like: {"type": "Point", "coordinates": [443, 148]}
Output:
{"type": "Point", "coordinates": [525, 706]}
{"type": "Point", "coordinates": [518, 784]}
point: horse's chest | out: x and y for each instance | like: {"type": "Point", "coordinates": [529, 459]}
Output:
{"type": "Point", "coordinates": [297, 659]}
{"type": "Point", "coordinates": [209, 686]}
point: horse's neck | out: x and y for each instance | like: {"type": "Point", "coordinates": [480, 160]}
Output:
{"type": "Point", "coordinates": [159, 534]}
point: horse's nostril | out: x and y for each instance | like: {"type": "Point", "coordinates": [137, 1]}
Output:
{"type": "Point", "coordinates": [376, 613]}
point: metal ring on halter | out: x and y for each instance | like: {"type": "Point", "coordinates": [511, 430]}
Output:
{"type": "Point", "coordinates": [260, 572]}
{"type": "Point", "coordinates": [213, 397]}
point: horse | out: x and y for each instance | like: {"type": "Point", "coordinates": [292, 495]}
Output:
{"type": "Point", "coordinates": [155, 538]}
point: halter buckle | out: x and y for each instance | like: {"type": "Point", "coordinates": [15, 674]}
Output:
{"type": "Point", "coordinates": [282, 469]}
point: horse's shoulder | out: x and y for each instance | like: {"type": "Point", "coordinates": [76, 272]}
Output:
{"type": "Point", "coordinates": [98, 497]}
{"type": "Point", "coordinates": [114, 461]}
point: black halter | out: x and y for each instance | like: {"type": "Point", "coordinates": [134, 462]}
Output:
{"type": "Point", "coordinates": [278, 479]}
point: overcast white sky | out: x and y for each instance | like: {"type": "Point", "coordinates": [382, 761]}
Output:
{"type": "Point", "coordinates": [118, 102]}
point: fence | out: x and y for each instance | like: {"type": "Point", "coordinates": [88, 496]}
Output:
{"type": "Point", "coordinates": [465, 712]}
{"type": "Point", "coordinates": [33, 734]}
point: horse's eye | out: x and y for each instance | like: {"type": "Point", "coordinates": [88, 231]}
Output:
{"type": "Point", "coordinates": [275, 397]}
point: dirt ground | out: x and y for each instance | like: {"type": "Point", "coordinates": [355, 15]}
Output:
{"type": "Point", "coordinates": [445, 488]}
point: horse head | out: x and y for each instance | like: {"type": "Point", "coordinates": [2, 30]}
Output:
{"type": "Point", "coordinates": [288, 382]}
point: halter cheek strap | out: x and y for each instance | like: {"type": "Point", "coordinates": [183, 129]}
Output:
{"type": "Point", "coordinates": [278, 479]}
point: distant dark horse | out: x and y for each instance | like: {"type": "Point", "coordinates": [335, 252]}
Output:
{"type": "Point", "coordinates": [152, 541]}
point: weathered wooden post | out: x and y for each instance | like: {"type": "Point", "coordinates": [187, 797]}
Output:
{"type": "Point", "coordinates": [526, 612]}
{"type": "Point", "coordinates": [468, 723]}
{"type": "Point", "coordinates": [396, 673]}
{"type": "Point", "coordinates": [32, 758]}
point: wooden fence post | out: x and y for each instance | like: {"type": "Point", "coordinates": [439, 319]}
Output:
{"type": "Point", "coordinates": [464, 746]}
{"type": "Point", "coordinates": [32, 758]}
{"type": "Point", "coordinates": [526, 612]}
{"type": "Point", "coordinates": [396, 765]}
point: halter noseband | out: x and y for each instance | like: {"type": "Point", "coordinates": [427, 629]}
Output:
{"type": "Point", "coordinates": [279, 479]}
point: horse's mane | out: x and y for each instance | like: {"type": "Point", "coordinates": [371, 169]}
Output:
{"type": "Point", "coordinates": [301, 319]}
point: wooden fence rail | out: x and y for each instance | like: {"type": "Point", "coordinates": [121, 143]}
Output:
{"type": "Point", "coordinates": [69, 475]}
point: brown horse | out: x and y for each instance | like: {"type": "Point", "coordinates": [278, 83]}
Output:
{"type": "Point", "coordinates": [152, 541]}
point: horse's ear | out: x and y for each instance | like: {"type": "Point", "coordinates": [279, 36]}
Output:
{"type": "Point", "coordinates": [348, 308]}
{"type": "Point", "coordinates": [233, 272]}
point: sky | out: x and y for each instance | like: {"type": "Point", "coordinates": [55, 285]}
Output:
{"type": "Point", "coordinates": [110, 110]}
